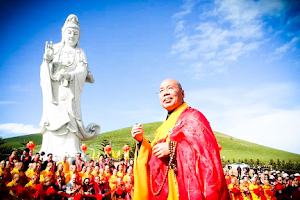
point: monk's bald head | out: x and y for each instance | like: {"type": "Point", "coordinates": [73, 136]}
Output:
{"type": "Point", "coordinates": [173, 82]}
{"type": "Point", "coordinates": [171, 94]}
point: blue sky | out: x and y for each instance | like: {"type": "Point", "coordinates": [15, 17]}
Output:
{"type": "Point", "coordinates": [237, 60]}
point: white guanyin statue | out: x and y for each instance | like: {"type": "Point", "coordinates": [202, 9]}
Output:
{"type": "Point", "coordinates": [63, 73]}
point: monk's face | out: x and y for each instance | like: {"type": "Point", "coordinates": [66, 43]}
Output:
{"type": "Point", "coordinates": [170, 94]}
{"type": "Point", "coordinates": [34, 179]}
{"type": "Point", "coordinates": [2, 164]}
{"type": "Point", "coordinates": [97, 179]}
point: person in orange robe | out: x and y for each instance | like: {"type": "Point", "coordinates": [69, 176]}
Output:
{"type": "Point", "coordinates": [65, 164]}
{"type": "Point", "coordinates": [48, 172]}
{"type": "Point", "coordinates": [196, 166]}
{"type": "Point", "coordinates": [82, 172]}
{"type": "Point", "coordinates": [60, 172]}
{"type": "Point", "coordinates": [69, 175]}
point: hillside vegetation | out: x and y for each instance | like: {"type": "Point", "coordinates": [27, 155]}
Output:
{"type": "Point", "coordinates": [232, 148]}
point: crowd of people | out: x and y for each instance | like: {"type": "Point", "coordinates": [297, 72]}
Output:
{"type": "Point", "coordinates": [25, 177]}
{"type": "Point", "coordinates": [263, 185]}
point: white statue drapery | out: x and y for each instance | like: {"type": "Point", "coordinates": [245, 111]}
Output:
{"type": "Point", "coordinates": [61, 124]}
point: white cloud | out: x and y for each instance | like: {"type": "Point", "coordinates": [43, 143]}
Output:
{"type": "Point", "coordinates": [8, 102]}
{"type": "Point", "coordinates": [290, 46]}
{"type": "Point", "coordinates": [15, 129]}
{"type": "Point", "coordinates": [227, 30]}
{"type": "Point", "coordinates": [179, 26]}
{"type": "Point", "coordinates": [261, 115]}
{"type": "Point", "coordinates": [186, 8]}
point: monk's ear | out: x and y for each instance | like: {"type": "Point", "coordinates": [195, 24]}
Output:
{"type": "Point", "coordinates": [183, 93]}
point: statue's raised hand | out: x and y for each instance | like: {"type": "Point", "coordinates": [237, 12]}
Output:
{"type": "Point", "coordinates": [48, 51]}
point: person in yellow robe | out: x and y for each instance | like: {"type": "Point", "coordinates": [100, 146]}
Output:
{"type": "Point", "coordinates": [96, 171]}
{"type": "Point", "coordinates": [32, 171]}
{"type": "Point", "coordinates": [48, 172]}
{"type": "Point", "coordinates": [32, 183]}
{"type": "Point", "coordinates": [268, 189]}
{"type": "Point", "coordinates": [14, 183]}
{"type": "Point", "coordinates": [245, 190]}
{"type": "Point", "coordinates": [18, 170]}
{"type": "Point", "coordinates": [82, 172]}
{"type": "Point", "coordinates": [208, 178]}
{"type": "Point", "coordinates": [65, 164]}
{"type": "Point", "coordinates": [255, 190]}
{"type": "Point", "coordinates": [88, 175]}
{"type": "Point", "coordinates": [120, 173]}
{"type": "Point", "coordinates": [129, 173]}
{"type": "Point", "coordinates": [113, 180]}
{"type": "Point", "coordinates": [29, 171]}
{"type": "Point", "coordinates": [107, 173]}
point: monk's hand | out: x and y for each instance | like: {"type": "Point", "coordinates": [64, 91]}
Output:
{"type": "Point", "coordinates": [161, 149]}
{"type": "Point", "coordinates": [49, 51]}
{"type": "Point", "coordinates": [137, 132]}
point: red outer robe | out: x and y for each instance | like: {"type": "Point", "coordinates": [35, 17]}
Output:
{"type": "Point", "coordinates": [199, 168]}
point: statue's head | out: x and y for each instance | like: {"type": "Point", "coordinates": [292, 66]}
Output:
{"type": "Point", "coordinates": [71, 31]}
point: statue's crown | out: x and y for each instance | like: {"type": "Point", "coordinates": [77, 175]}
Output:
{"type": "Point", "coordinates": [71, 22]}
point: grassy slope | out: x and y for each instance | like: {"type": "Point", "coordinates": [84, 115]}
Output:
{"type": "Point", "coordinates": [231, 147]}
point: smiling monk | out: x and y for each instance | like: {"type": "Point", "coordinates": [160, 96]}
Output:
{"type": "Point", "coordinates": [183, 160]}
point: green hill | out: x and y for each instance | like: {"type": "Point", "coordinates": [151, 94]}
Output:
{"type": "Point", "coordinates": [232, 148]}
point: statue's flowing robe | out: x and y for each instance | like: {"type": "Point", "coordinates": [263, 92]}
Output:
{"type": "Point", "coordinates": [199, 173]}
{"type": "Point", "coordinates": [61, 123]}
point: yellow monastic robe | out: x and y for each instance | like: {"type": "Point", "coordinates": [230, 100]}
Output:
{"type": "Point", "coordinates": [68, 176]}
{"type": "Point", "coordinates": [12, 184]}
{"type": "Point", "coordinates": [230, 187]}
{"type": "Point", "coordinates": [81, 174]}
{"type": "Point", "coordinates": [120, 174]}
{"type": "Point", "coordinates": [125, 178]}
{"type": "Point", "coordinates": [141, 171]}
{"type": "Point", "coordinates": [107, 174]}
{"type": "Point", "coordinates": [29, 173]}
{"type": "Point", "coordinates": [111, 180]}
{"type": "Point", "coordinates": [265, 188]}
{"type": "Point", "coordinates": [44, 174]}
{"type": "Point", "coordinates": [94, 173]}
{"type": "Point", "coordinates": [245, 197]}
{"type": "Point", "coordinates": [66, 166]}
{"type": "Point", "coordinates": [87, 176]}
{"type": "Point", "coordinates": [101, 176]}
{"type": "Point", "coordinates": [16, 171]}
{"type": "Point", "coordinates": [254, 196]}
{"type": "Point", "coordinates": [30, 186]}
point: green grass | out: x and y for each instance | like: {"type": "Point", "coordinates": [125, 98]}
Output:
{"type": "Point", "coordinates": [232, 148]}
